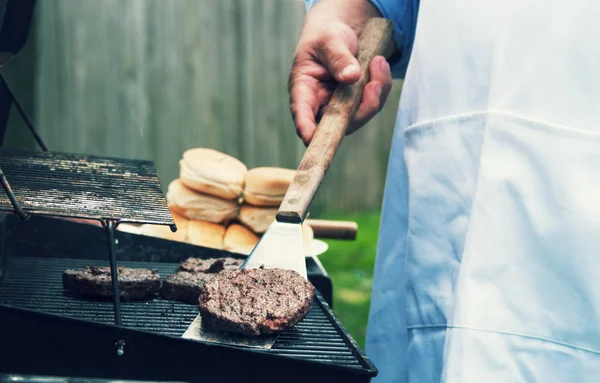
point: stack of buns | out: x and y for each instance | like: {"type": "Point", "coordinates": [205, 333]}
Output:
{"type": "Point", "coordinates": [217, 202]}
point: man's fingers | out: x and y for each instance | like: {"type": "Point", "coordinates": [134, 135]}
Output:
{"type": "Point", "coordinates": [336, 51]}
{"type": "Point", "coordinates": [370, 105]}
{"type": "Point", "coordinates": [375, 93]}
{"type": "Point", "coordinates": [304, 104]}
{"type": "Point", "coordinates": [304, 118]}
{"type": "Point", "coordinates": [380, 71]}
{"type": "Point", "coordinates": [305, 122]}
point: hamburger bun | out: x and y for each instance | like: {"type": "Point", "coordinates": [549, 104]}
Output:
{"type": "Point", "coordinates": [206, 234]}
{"type": "Point", "coordinates": [266, 186]}
{"type": "Point", "coordinates": [238, 239]}
{"type": "Point", "coordinates": [164, 232]}
{"type": "Point", "coordinates": [211, 172]}
{"type": "Point", "coordinates": [201, 207]}
{"type": "Point", "coordinates": [257, 219]}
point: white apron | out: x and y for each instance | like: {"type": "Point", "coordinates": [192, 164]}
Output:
{"type": "Point", "coordinates": [488, 267]}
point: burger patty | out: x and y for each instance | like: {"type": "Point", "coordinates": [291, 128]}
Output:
{"type": "Point", "coordinates": [255, 301]}
{"type": "Point", "coordinates": [97, 282]}
{"type": "Point", "coordinates": [184, 286]}
{"type": "Point", "coordinates": [199, 265]}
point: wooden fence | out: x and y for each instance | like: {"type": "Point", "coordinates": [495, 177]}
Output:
{"type": "Point", "coordinates": [151, 78]}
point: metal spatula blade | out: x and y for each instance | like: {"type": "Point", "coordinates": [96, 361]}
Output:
{"type": "Point", "coordinates": [281, 247]}
{"type": "Point", "coordinates": [197, 332]}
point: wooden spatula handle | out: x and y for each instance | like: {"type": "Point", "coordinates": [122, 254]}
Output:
{"type": "Point", "coordinates": [375, 40]}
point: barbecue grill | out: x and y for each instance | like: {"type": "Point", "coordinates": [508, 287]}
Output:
{"type": "Point", "coordinates": [48, 334]}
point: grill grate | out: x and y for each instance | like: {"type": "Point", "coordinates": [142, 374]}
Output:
{"type": "Point", "coordinates": [36, 283]}
{"type": "Point", "coordinates": [74, 185]}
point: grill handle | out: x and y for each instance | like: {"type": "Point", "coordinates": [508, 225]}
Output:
{"type": "Point", "coordinates": [333, 229]}
{"type": "Point", "coordinates": [375, 40]}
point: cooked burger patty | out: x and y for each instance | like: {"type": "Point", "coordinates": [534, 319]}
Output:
{"type": "Point", "coordinates": [255, 301]}
{"type": "Point", "coordinates": [184, 286]}
{"type": "Point", "coordinates": [199, 265]}
{"type": "Point", "coordinates": [97, 282]}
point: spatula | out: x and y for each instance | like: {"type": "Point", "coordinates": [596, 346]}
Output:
{"type": "Point", "coordinates": [282, 246]}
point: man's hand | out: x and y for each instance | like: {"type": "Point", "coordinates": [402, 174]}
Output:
{"type": "Point", "coordinates": [325, 56]}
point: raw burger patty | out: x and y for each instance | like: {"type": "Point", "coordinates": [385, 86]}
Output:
{"type": "Point", "coordinates": [184, 286]}
{"type": "Point", "coordinates": [199, 265]}
{"type": "Point", "coordinates": [97, 282]}
{"type": "Point", "coordinates": [255, 301]}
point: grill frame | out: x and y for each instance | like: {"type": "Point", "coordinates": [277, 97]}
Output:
{"type": "Point", "coordinates": [21, 241]}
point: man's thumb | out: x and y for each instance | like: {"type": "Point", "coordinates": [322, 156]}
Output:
{"type": "Point", "coordinates": [337, 52]}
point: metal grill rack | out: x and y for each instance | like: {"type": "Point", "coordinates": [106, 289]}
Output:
{"type": "Point", "coordinates": [35, 283]}
{"type": "Point", "coordinates": [83, 186]}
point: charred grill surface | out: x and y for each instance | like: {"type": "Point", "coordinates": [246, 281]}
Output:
{"type": "Point", "coordinates": [36, 284]}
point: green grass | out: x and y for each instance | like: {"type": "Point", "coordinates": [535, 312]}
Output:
{"type": "Point", "coordinates": [350, 266]}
